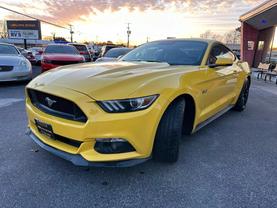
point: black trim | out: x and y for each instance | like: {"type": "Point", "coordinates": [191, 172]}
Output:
{"type": "Point", "coordinates": [63, 108]}
{"type": "Point", "coordinates": [6, 68]}
{"type": "Point", "coordinates": [217, 65]}
{"type": "Point", "coordinates": [78, 160]}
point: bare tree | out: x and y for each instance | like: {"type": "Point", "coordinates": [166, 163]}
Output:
{"type": "Point", "coordinates": [232, 37]}
{"type": "Point", "coordinates": [3, 30]}
{"type": "Point", "coordinates": [211, 35]}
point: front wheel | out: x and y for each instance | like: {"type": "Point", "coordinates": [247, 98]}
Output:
{"type": "Point", "coordinates": [169, 132]}
{"type": "Point", "coordinates": [243, 97]}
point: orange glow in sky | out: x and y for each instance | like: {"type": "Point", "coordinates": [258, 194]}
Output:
{"type": "Point", "coordinates": [95, 20]}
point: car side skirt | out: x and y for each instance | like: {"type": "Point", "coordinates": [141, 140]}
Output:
{"type": "Point", "coordinates": [212, 118]}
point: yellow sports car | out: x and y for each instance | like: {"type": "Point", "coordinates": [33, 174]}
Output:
{"type": "Point", "coordinates": [123, 113]}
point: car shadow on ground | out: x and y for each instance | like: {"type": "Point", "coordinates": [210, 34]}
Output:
{"type": "Point", "coordinates": [13, 84]}
{"type": "Point", "coordinates": [150, 167]}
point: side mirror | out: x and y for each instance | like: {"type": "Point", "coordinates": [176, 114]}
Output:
{"type": "Point", "coordinates": [119, 57]}
{"type": "Point", "coordinates": [220, 61]}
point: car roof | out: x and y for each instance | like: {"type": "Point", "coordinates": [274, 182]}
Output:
{"type": "Point", "coordinates": [59, 44]}
{"type": "Point", "coordinates": [77, 44]}
{"type": "Point", "coordinates": [7, 44]}
{"type": "Point", "coordinates": [188, 39]}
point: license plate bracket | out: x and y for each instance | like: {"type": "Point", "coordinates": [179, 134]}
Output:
{"type": "Point", "coordinates": [45, 129]}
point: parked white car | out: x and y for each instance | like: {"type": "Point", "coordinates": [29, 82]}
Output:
{"type": "Point", "coordinates": [13, 65]}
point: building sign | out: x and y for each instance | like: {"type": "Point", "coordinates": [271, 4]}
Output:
{"type": "Point", "coordinates": [23, 34]}
{"type": "Point", "coordinates": [24, 29]}
{"type": "Point", "coordinates": [250, 45]}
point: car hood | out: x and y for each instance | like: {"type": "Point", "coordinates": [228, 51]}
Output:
{"type": "Point", "coordinates": [11, 60]}
{"type": "Point", "coordinates": [63, 57]}
{"type": "Point", "coordinates": [101, 81]}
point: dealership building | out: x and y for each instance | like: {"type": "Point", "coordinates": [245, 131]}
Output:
{"type": "Point", "coordinates": [258, 28]}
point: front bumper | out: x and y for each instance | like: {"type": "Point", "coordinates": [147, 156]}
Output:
{"type": "Point", "coordinates": [138, 128]}
{"type": "Point", "coordinates": [78, 160]}
{"type": "Point", "coordinates": [46, 66]}
{"type": "Point", "coordinates": [15, 76]}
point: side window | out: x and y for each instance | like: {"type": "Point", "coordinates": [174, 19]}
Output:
{"type": "Point", "coordinates": [220, 51]}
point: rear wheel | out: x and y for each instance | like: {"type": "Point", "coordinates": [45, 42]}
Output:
{"type": "Point", "coordinates": [168, 136]}
{"type": "Point", "coordinates": [243, 97]}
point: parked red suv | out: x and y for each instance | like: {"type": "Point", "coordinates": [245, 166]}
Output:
{"type": "Point", "coordinates": [59, 55]}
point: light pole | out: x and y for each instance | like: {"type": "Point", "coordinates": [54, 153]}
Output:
{"type": "Point", "coordinates": [128, 34]}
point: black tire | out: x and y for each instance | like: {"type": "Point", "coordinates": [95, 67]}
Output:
{"type": "Point", "coordinates": [243, 97]}
{"type": "Point", "coordinates": [169, 133]}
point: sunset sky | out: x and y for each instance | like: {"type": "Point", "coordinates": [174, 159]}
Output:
{"type": "Point", "coordinates": [103, 20]}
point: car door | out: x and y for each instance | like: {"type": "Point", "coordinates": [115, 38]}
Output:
{"type": "Point", "coordinates": [218, 88]}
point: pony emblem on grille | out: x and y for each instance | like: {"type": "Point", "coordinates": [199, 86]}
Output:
{"type": "Point", "coordinates": [49, 101]}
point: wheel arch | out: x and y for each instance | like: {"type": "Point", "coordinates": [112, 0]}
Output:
{"type": "Point", "coordinates": [189, 112]}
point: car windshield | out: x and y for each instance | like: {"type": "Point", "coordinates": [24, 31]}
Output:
{"type": "Point", "coordinates": [64, 49]}
{"type": "Point", "coordinates": [116, 52]}
{"type": "Point", "coordinates": [7, 49]}
{"type": "Point", "coordinates": [81, 47]}
{"type": "Point", "coordinates": [173, 52]}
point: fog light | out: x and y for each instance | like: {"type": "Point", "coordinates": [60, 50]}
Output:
{"type": "Point", "coordinates": [112, 146]}
{"type": "Point", "coordinates": [111, 140]}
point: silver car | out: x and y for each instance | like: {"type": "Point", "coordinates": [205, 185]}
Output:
{"type": "Point", "coordinates": [13, 65]}
{"type": "Point", "coordinates": [114, 54]}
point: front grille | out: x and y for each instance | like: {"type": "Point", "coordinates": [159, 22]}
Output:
{"type": "Point", "coordinates": [64, 62]}
{"type": "Point", "coordinates": [6, 68]}
{"type": "Point", "coordinates": [56, 106]}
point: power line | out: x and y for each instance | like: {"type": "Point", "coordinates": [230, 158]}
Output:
{"type": "Point", "coordinates": [41, 20]}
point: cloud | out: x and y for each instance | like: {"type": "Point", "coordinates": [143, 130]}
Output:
{"type": "Point", "coordinates": [64, 12]}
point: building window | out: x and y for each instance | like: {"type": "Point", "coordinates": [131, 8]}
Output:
{"type": "Point", "coordinates": [261, 45]}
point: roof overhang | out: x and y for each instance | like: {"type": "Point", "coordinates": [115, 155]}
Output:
{"type": "Point", "coordinates": [263, 16]}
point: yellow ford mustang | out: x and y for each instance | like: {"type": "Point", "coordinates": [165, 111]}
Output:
{"type": "Point", "coordinates": [123, 113]}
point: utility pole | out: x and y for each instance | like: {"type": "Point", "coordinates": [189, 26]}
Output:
{"type": "Point", "coordinates": [128, 34]}
{"type": "Point", "coordinates": [71, 33]}
{"type": "Point", "coordinates": [53, 36]}
{"type": "Point", "coordinates": [147, 39]}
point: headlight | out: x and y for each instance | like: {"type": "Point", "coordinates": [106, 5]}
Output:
{"type": "Point", "coordinates": [127, 105]}
{"type": "Point", "coordinates": [23, 65]}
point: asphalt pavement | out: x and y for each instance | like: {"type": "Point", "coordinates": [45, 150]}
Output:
{"type": "Point", "coordinates": [232, 162]}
